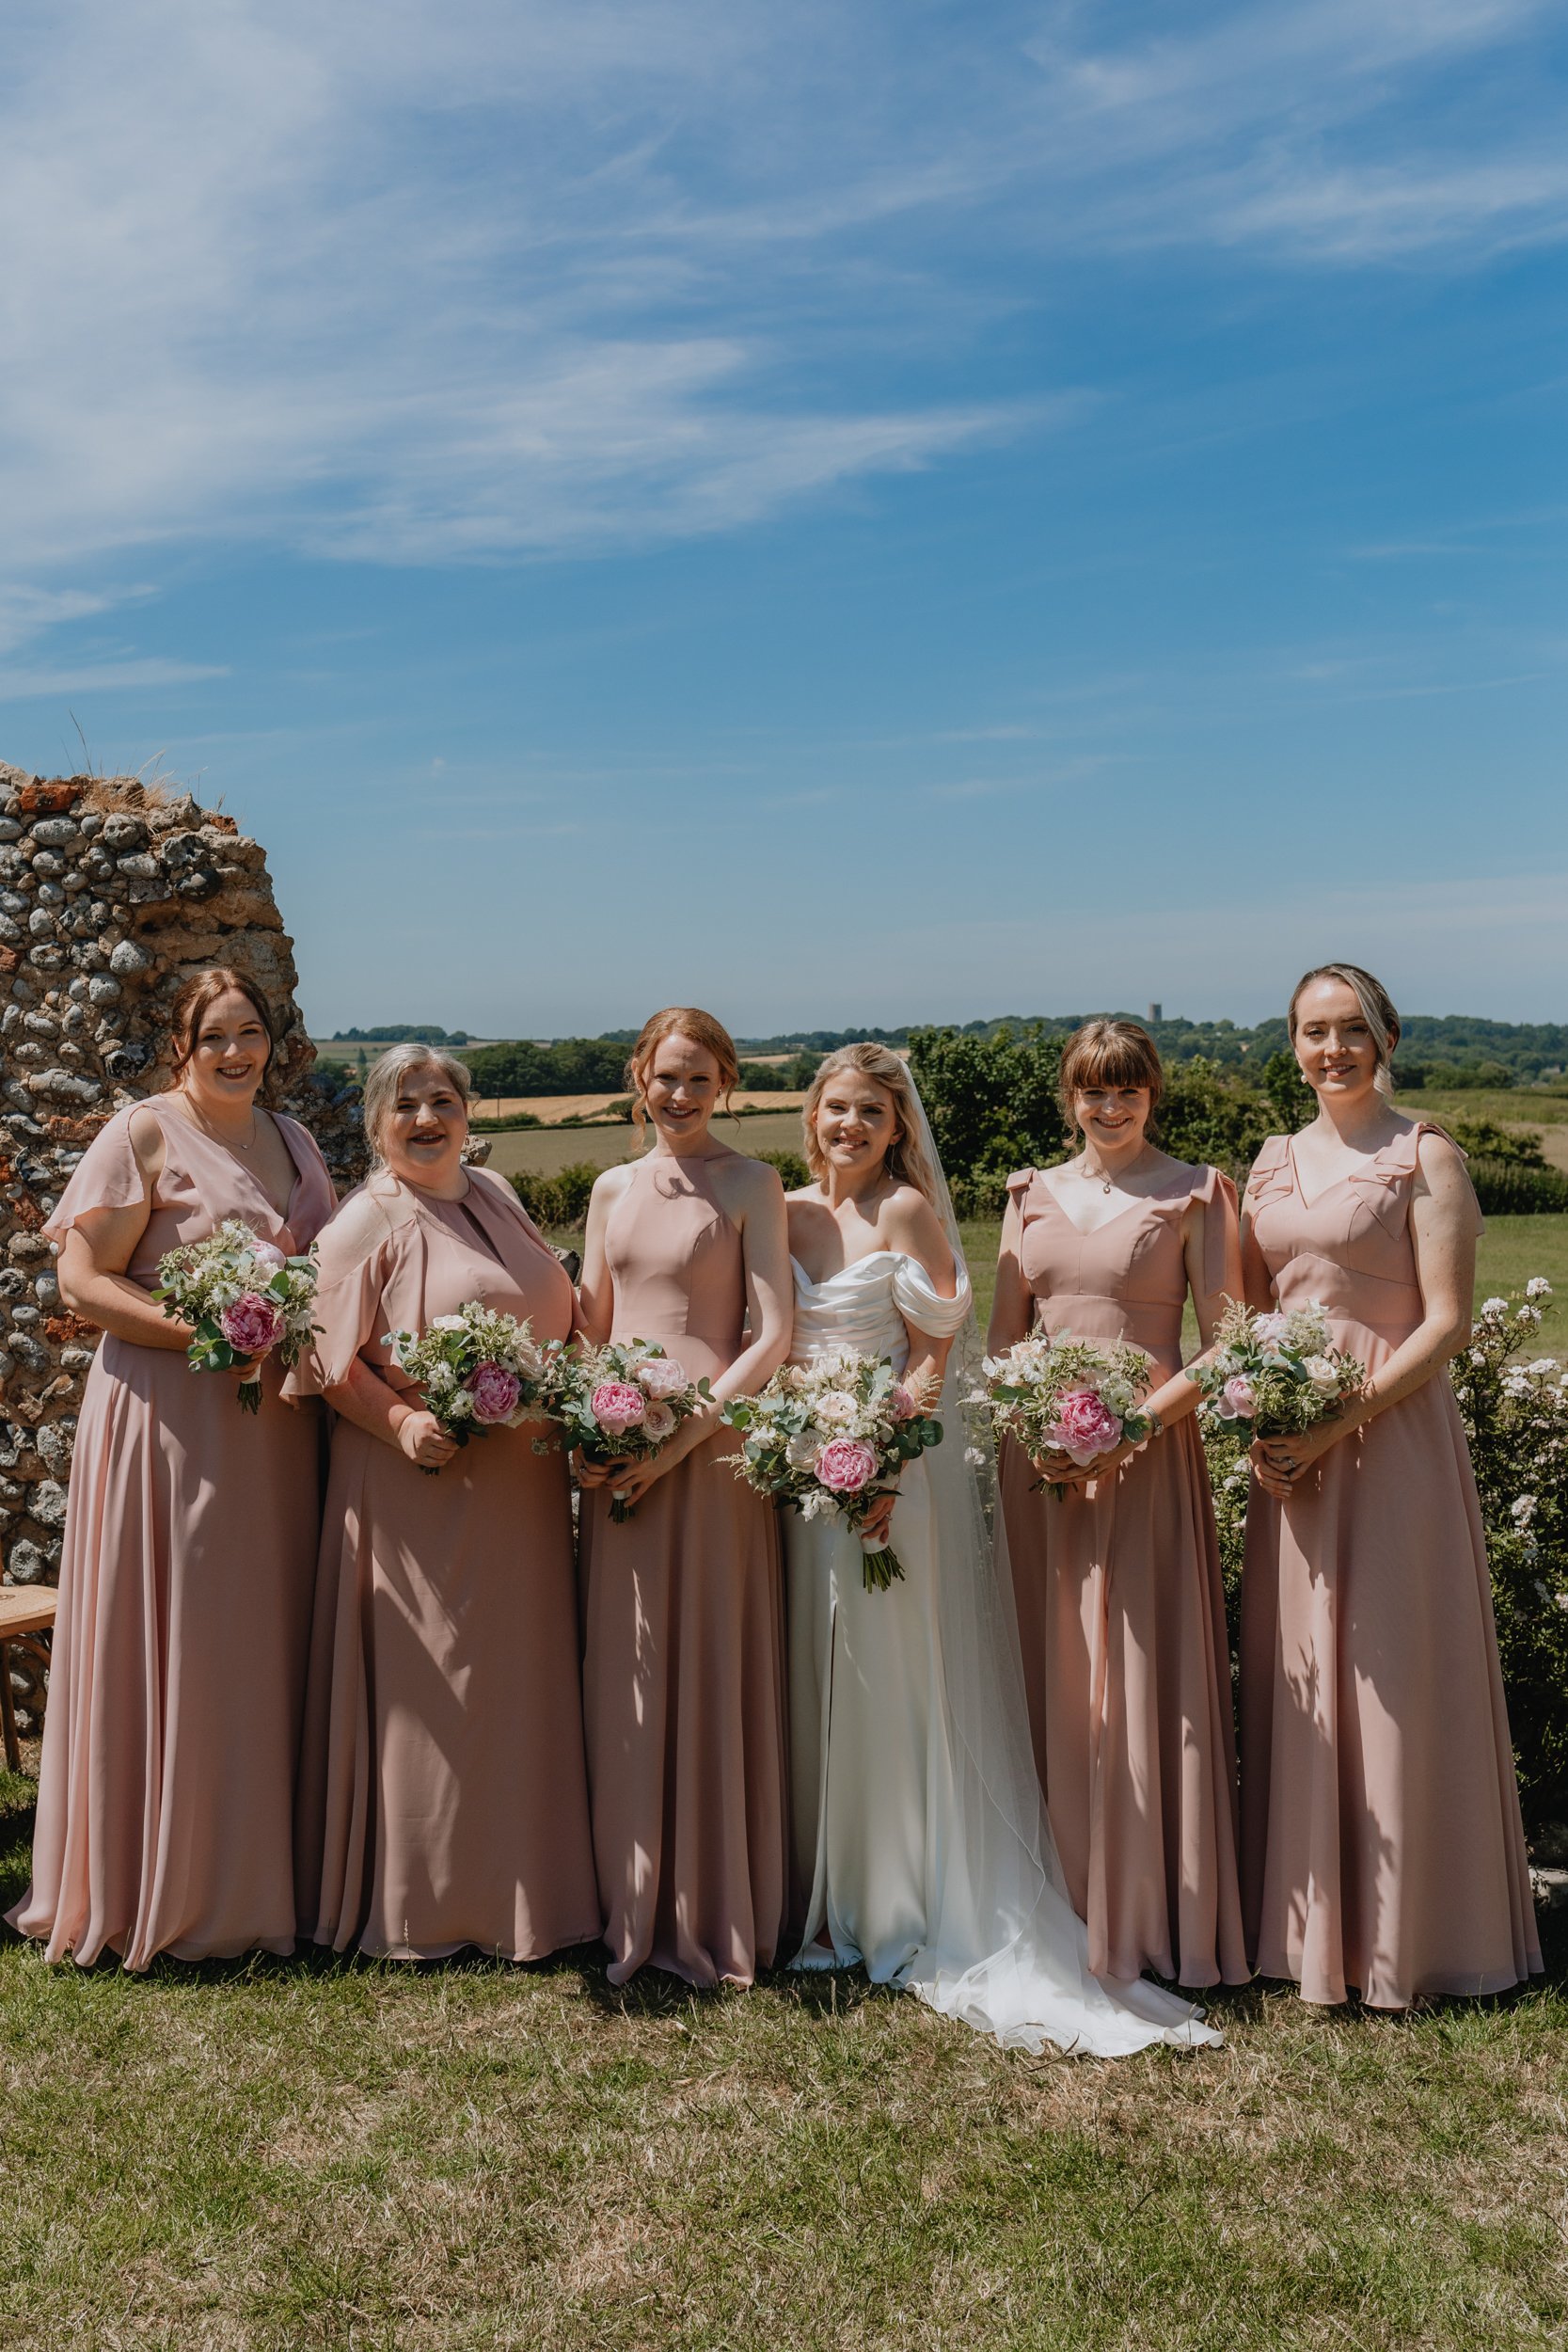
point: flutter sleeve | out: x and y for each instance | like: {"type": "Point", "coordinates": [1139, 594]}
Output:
{"type": "Point", "coordinates": [1222, 1234]}
{"type": "Point", "coordinates": [106, 1177]}
{"type": "Point", "coordinates": [922, 1305]}
{"type": "Point", "coordinates": [315, 1202]}
{"type": "Point", "coordinates": [1270, 1174]}
{"type": "Point", "coordinates": [355, 1254]}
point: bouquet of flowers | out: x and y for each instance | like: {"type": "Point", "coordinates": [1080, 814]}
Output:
{"type": "Point", "coordinates": [478, 1370]}
{"type": "Point", "coordinates": [1277, 1373]}
{"type": "Point", "coordinates": [832, 1435]}
{"type": "Point", "coordinates": [621, 1402]}
{"type": "Point", "coordinates": [1061, 1395]}
{"type": "Point", "coordinates": [245, 1298]}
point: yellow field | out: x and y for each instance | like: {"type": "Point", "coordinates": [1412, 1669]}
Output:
{"type": "Point", "coordinates": [547, 1149]}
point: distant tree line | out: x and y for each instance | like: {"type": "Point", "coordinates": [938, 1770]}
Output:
{"type": "Point", "coordinates": [401, 1033]}
{"type": "Point", "coordinates": [991, 1100]}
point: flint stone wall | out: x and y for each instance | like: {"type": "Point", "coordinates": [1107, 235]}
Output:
{"type": "Point", "coordinates": [110, 894]}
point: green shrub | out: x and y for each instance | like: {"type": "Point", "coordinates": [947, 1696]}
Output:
{"type": "Point", "coordinates": [992, 1102]}
{"type": "Point", "coordinates": [793, 1171]}
{"type": "Point", "coordinates": [1506, 1189]}
{"type": "Point", "coordinates": [557, 1200]}
{"type": "Point", "coordinates": [1218, 1117]}
{"type": "Point", "coordinates": [1484, 1140]}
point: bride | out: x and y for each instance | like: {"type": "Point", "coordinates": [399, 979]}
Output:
{"type": "Point", "coordinates": [921, 1843]}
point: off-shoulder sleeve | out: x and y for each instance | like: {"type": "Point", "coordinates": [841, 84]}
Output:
{"type": "Point", "coordinates": [922, 1305]}
{"type": "Point", "coordinates": [106, 1177]}
{"type": "Point", "coordinates": [1383, 1184]}
{"type": "Point", "coordinates": [354, 1252]}
{"type": "Point", "coordinates": [1220, 1224]}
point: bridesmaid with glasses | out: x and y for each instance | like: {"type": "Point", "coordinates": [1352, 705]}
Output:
{"type": "Point", "coordinates": [1117, 1579]}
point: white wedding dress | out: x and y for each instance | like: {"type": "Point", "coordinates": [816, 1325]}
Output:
{"type": "Point", "coordinates": [922, 1847]}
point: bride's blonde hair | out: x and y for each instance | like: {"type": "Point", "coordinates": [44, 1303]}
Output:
{"type": "Point", "coordinates": [907, 1160]}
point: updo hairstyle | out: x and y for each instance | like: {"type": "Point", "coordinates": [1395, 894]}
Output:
{"type": "Point", "coordinates": [1377, 1011]}
{"type": "Point", "coordinates": [688, 1020]}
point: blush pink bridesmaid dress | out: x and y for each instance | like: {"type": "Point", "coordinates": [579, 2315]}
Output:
{"type": "Point", "coordinates": [1121, 1612]}
{"type": "Point", "coordinates": [1382, 1843]}
{"type": "Point", "coordinates": [443, 1798]}
{"type": "Point", "coordinates": [166, 1788]}
{"type": "Point", "coordinates": [683, 1637]}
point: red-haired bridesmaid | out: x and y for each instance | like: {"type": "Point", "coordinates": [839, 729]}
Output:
{"type": "Point", "coordinates": [1381, 1844]}
{"type": "Point", "coordinates": [1120, 1606]}
{"type": "Point", "coordinates": [166, 1797]}
{"type": "Point", "coordinates": [682, 1687]}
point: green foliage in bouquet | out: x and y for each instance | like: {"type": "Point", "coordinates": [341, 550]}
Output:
{"type": "Point", "coordinates": [1516, 1415]}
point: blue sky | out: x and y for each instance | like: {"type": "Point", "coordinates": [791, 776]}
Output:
{"type": "Point", "coordinates": [842, 513]}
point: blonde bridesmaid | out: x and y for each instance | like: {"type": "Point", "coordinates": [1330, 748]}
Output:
{"type": "Point", "coordinates": [1382, 1845]}
{"type": "Point", "coordinates": [682, 1603]}
{"type": "Point", "coordinates": [166, 1790]}
{"type": "Point", "coordinates": [443, 1795]}
{"type": "Point", "coordinates": [1116, 1581]}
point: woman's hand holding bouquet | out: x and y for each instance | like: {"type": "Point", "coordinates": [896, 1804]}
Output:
{"type": "Point", "coordinates": [1074, 1406]}
{"type": "Point", "coordinates": [619, 1405]}
{"type": "Point", "coordinates": [244, 1299]}
{"type": "Point", "coordinates": [833, 1434]}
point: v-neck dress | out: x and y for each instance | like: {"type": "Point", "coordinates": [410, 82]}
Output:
{"type": "Point", "coordinates": [1121, 1611]}
{"type": "Point", "coordinates": [171, 1739]}
{"type": "Point", "coordinates": [683, 1630]}
{"type": "Point", "coordinates": [443, 1796]}
{"type": "Point", "coordinates": [1381, 1838]}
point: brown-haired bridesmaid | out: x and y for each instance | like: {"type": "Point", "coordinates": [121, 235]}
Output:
{"type": "Point", "coordinates": [682, 1687]}
{"type": "Point", "coordinates": [443, 1801]}
{"type": "Point", "coordinates": [1381, 1844]}
{"type": "Point", "coordinates": [1117, 1579]}
{"type": "Point", "coordinates": [166, 1797]}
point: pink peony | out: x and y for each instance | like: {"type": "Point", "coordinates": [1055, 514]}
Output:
{"type": "Point", "coordinates": [659, 1421]}
{"type": "Point", "coordinates": [901, 1403]}
{"type": "Point", "coordinates": [617, 1407]}
{"type": "Point", "coordinates": [1084, 1426]}
{"type": "Point", "coordinates": [845, 1466]}
{"type": "Point", "coordinates": [660, 1377]}
{"type": "Point", "coordinates": [252, 1325]}
{"type": "Point", "coordinates": [1238, 1399]}
{"type": "Point", "coordinates": [497, 1393]}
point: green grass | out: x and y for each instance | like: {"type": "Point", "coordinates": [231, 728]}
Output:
{"type": "Point", "coordinates": [295, 2154]}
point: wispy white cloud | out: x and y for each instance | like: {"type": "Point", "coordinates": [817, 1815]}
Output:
{"type": "Point", "coordinates": [400, 282]}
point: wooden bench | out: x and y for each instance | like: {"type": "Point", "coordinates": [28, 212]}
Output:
{"type": "Point", "coordinates": [25, 1611]}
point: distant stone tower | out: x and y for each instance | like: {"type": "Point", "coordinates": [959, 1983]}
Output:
{"type": "Point", "coordinates": [110, 893]}
{"type": "Point", "coordinates": [1156, 1013]}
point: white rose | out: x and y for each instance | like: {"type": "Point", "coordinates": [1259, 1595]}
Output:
{"type": "Point", "coordinates": [1321, 1374]}
{"type": "Point", "coordinates": [1538, 1287]}
{"type": "Point", "coordinates": [1494, 1307]}
{"type": "Point", "coordinates": [836, 1411]}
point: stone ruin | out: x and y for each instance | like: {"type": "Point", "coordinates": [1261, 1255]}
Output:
{"type": "Point", "coordinates": [110, 891]}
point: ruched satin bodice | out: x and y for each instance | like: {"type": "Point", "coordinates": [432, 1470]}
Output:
{"type": "Point", "coordinates": [872, 1306]}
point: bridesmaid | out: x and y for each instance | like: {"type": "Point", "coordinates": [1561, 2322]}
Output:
{"type": "Point", "coordinates": [1382, 1843]}
{"type": "Point", "coordinates": [683, 1678]}
{"type": "Point", "coordinates": [1120, 1605]}
{"type": "Point", "coordinates": [166, 1796]}
{"type": "Point", "coordinates": [443, 1795]}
